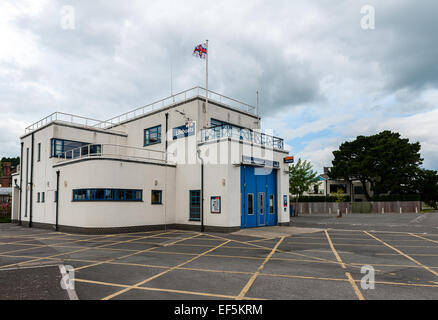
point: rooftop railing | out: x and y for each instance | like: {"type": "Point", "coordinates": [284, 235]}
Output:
{"type": "Point", "coordinates": [244, 134]}
{"type": "Point", "coordinates": [178, 98]}
{"type": "Point", "coordinates": [114, 151]}
{"type": "Point", "coordinates": [160, 104]}
{"type": "Point", "coordinates": [66, 118]}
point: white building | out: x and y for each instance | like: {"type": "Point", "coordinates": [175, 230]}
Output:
{"type": "Point", "coordinates": [142, 170]}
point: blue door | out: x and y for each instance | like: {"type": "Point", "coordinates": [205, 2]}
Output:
{"type": "Point", "coordinates": [259, 193]}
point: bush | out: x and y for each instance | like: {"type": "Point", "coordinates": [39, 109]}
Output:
{"type": "Point", "coordinates": [397, 197]}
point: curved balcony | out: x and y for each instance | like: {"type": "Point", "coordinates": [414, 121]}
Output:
{"type": "Point", "coordinates": [112, 151]}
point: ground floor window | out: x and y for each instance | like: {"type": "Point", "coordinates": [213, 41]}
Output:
{"type": "Point", "coordinates": [102, 194]}
{"type": "Point", "coordinates": [156, 197]}
{"type": "Point", "coordinates": [195, 205]}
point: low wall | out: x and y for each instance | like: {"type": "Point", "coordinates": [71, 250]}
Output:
{"type": "Point", "coordinates": [357, 207]}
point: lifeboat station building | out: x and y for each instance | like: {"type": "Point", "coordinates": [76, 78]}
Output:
{"type": "Point", "coordinates": [181, 162]}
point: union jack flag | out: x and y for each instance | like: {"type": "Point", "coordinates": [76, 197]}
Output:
{"type": "Point", "coordinates": [200, 51]}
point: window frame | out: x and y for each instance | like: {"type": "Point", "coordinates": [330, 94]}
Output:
{"type": "Point", "coordinates": [156, 130]}
{"type": "Point", "coordinates": [191, 207]}
{"type": "Point", "coordinates": [54, 152]}
{"type": "Point", "coordinates": [107, 195]}
{"type": "Point", "coordinates": [160, 201]}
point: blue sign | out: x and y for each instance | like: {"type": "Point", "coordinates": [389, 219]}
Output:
{"type": "Point", "coordinates": [183, 131]}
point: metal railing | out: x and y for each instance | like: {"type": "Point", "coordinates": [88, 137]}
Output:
{"type": "Point", "coordinates": [244, 134]}
{"type": "Point", "coordinates": [66, 118]}
{"type": "Point", "coordinates": [115, 151]}
{"type": "Point", "coordinates": [178, 98]}
{"type": "Point", "coordinates": [111, 123]}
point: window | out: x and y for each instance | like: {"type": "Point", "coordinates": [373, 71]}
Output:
{"type": "Point", "coordinates": [195, 205]}
{"type": "Point", "coordinates": [39, 152]}
{"type": "Point", "coordinates": [358, 190]}
{"type": "Point", "coordinates": [250, 203]}
{"type": "Point", "coordinates": [156, 197]}
{"type": "Point", "coordinates": [43, 196]}
{"type": "Point", "coordinates": [102, 194]}
{"type": "Point", "coordinates": [215, 122]}
{"type": "Point", "coordinates": [315, 189]}
{"type": "Point", "coordinates": [152, 135]}
{"type": "Point", "coordinates": [261, 203]}
{"type": "Point", "coordinates": [271, 203]}
{"type": "Point", "coordinates": [38, 197]}
{"type": "Point", "coordinates": [59, 146]}
{"type": "Point", "coordinates": [335, 187]}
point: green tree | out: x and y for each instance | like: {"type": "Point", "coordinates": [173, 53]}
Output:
{"type": "Point", "coordinates": [427, 186]}
{"type": "Point", "coordinates": [301, 177]}
{"type": "Point", "coordinates": [385, 160]}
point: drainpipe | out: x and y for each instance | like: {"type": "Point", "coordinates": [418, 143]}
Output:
{"type": "Point", "coordinates": [31, 181]}
{"type": "Point", "coordinates": [165, 171]}
{"type": "Point", "coordinates": [57, 199]}
{"type": "Point", "coordinates": [21, 183]}
{"type": "Point", "coordinates": [202, 190]}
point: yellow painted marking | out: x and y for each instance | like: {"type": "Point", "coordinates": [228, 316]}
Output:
{"type": "Point", "coordinates": [125, 256]}
{"type": "Point", "coordinates": [71, 252]}
{"type": "Point", "coordinates": [155, 289]}
{"type": "Point", "coordinates": [280, 251]}
{"type": "Point", "coordinates": [164, 272]}
{"type": "Point", "coordinates": [423, 238]}
{"type": "Point", "coordinates": [403, 254]}
{"type": "Point", "coordinates": [245, 289]}
{"type": "Point", "coordinates": [347, 274]}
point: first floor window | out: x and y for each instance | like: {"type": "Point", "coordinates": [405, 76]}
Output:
{"type": "Point", "coordinates": [152, 135]}
{"type": "Point", "coordinates": [38, 197]}
{"type": "Point", "coordinates": [43, 196]}
{"type": "Point", "coordinates": [156, 197]}
{"type": "Point", "coordinates": [195, 205]}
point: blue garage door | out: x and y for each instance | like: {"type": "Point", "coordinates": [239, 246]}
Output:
{"type": "Point", "coordinates": [259, 196]}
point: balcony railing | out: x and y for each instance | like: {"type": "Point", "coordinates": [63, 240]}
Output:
{"type": "Point", "coordinates": [243, 134]}
{"type": "Point", "coordinates": [114, 151]}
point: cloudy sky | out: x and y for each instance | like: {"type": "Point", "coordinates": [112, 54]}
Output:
{"type": "Point", "coordinates": [322, 78]}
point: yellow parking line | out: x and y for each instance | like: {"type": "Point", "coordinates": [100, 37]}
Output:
{"type": "Point", "coordinates": [267, 248]}
{"type": "Point", "coordinates": [71, 252]}
{"type": "Point", "coordinates": [403, 254]}
{"type": "Point", "coordinates": [164, 272]}
{"type": "Point", "coordinates": [248, 285]}
{"type": "Point", "coordinates": [156, 289]}
{"type": "Point", "coordinates": [125, 256]}
{"type": "Point", "coordinates": [347, 274]}
{"type": "Point", "coordinates": [420, 237]}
